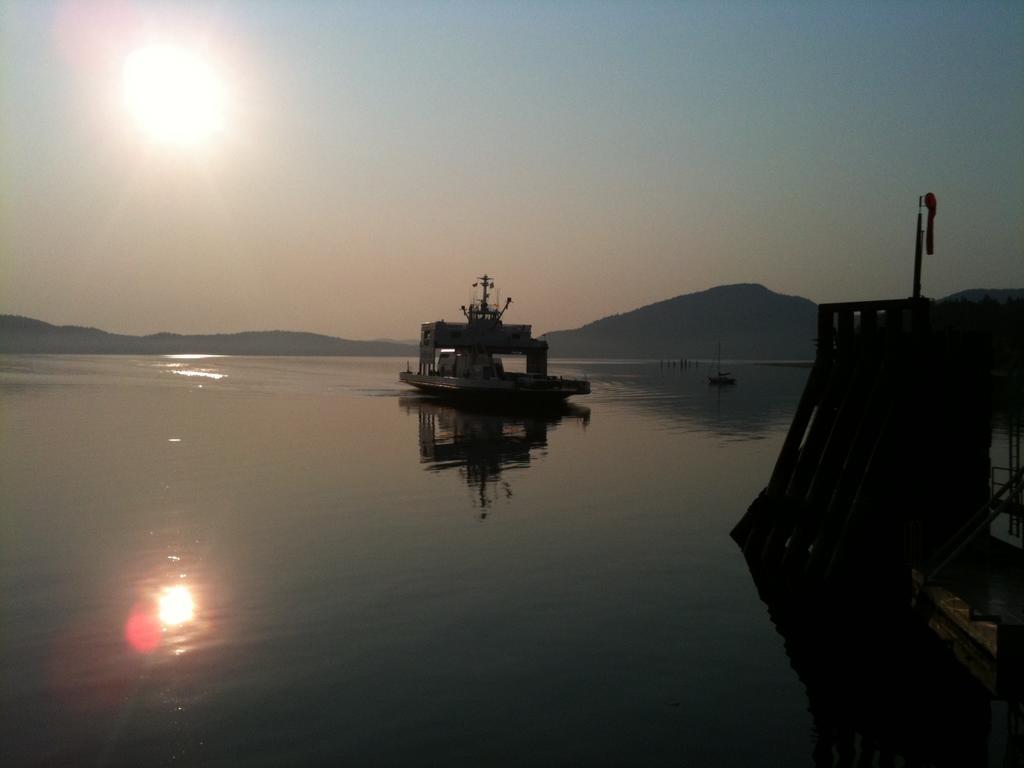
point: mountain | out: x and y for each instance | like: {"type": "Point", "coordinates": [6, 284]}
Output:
{"type": "Point", "coordinates": [1002, 295]}
{"type": "Point", "coordinates": [24, 335]}
{"type": "Point", "coordinates": [750, 321]}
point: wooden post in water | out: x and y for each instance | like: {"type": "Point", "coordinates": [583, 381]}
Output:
{"type": "Point", "coordinates": [886, 410]}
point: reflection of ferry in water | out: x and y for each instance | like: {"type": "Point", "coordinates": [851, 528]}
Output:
{"type": "Point", "coordinates": [459, 359]}
{"type": "Point", "coordinates": [482, 443]}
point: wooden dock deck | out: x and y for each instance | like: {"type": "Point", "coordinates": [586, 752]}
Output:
{"type": "Point", "coordinates": [977, 606]}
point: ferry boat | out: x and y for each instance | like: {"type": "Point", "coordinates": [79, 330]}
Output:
{"type": "Point", "coordinates": [460, 360]}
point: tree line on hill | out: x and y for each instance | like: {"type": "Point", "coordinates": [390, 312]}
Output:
{"type": "Point", "coordinates": [1004, 320]}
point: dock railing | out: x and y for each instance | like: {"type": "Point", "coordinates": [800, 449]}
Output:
{"type": "Point", "coordinates": [1000, 502]}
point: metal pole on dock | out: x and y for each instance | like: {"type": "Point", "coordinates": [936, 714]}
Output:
{"type": "Point", "coordinates": [924, 201]}
{"type": "Point", "coordinates": [918, 243]}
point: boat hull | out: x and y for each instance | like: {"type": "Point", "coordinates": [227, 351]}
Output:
{"type": "Point", "coordinates": [546, 390]}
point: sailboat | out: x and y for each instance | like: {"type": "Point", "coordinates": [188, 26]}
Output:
{"type": "Point", "coordinates": [722, 377]}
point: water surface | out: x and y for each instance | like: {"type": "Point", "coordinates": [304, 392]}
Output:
{"type": "Point", "coordinates": [377, 578]}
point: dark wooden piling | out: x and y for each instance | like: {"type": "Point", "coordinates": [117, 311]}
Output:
{"type": "Point", "coordinates": [870, 530]}
{"type": "Point", "coordinates": [889, 445]}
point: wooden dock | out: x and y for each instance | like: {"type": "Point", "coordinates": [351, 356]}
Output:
{"type": "Point", "coordinates": [886, 457]}
{"type": "Point", "coordinates": [880, 500]}
{"type": "Point", "coordinates": [976, 605]}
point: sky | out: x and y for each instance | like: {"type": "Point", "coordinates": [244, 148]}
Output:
{"type": "Point", "coordinates": [365, 162]}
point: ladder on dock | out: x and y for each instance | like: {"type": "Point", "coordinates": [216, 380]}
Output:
{"type": "Point", "coordinates": [1014, 387]}
{"type": "Point", "coordinates": [1001, 501]}
{"type": "Point", "coordinates": [1015, 735]}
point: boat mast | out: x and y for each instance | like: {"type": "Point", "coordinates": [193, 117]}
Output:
{"type": "Point", "coordinates": [487, 282]}
{"type": "Point", "coordinates": [482, 309]}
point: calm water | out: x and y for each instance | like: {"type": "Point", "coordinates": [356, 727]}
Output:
{"type": "Point", "coordinates": [378, 579]}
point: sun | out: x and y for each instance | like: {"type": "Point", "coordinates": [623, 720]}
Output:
{"type": "Point", "coordinates": [173, 94]}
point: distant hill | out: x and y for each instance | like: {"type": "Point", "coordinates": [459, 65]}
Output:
{"type": "Point", "coordinates": [27, 336]}
{"type": "Point", "coordinates": [750, 321]}
{"type": "Point", "coordinates": [1002, 295]}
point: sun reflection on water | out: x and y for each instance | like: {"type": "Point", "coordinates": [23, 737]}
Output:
{"type": "Point", "coordinates": [161, 620]}
{"type": "Point", "coordinates": [191, 370]}
{"type": "Point", "coordinates": [176, 605]}
{"type": "Point", "coordinates": [203, 373]}
{"type": "Point", "coordinates": [191, 357]}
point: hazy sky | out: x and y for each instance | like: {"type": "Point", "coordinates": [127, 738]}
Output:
{"type": "Point", "coordinates": [376, 157]}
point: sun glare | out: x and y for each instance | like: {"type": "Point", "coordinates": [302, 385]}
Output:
{"type": "Point", "coordinates": [173, 94]}
{"type": "Point", "coordinates": [175, 606]}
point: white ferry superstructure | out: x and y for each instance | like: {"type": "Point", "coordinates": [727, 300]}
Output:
{"type": "Point", "coordinates": [459, 360]}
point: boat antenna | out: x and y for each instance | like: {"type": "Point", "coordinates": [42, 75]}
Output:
{"type": "Point", "coordinates": [486, 282]}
